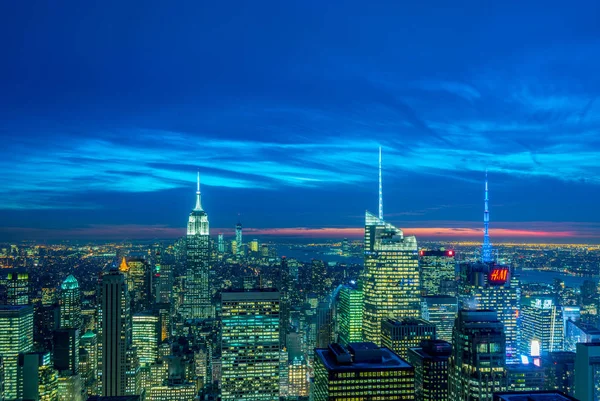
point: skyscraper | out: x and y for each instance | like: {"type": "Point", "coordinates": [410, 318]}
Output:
{"type": "Point", "coordinates": [400, 335]}
{"type": "Point", "coordinates": [238, 238]}
{"type": "Point", "coordinates": [70, 304]}
{"type": "Point", "coordinates": [115, 333]}
{"type": "Point", "coordinates": [146, 336]}
{"type": "Point", "coordinates": [494, 287]}
{"type": "Point", "coordinates": [478, 363]}
{"type": "Point", "coordinates": [66, 351]}
{"type": "Point", "coordinates": [89, 364]}
{"type": "Point", "coordinates": [139, 284]}
{"type": "Point", "coordinates": [390, 278]}
{"type": "Point", "coordinates": [221, 243]}
{"type": "Point", "coordinates": [250, 345]}
{"type": "Point", "coordinates": [542, 322]}
{"type": "Point", "coordinates": [438, 272]}
{"type": "Point", "coordinates": [40, 379]}
{"type": "Point", "coordinates": [17, 286]}
{"type": "Point", "coordinates": [440, 311]}
{"type": "Point", "coordinates": [560, 371]}
{"type": "Point", "coordinates": [197, 297]}
{"type": "Point", "coordinates": [362, 371]}
{"type": "Point", "coordinates": [16, 336]}
{"type": "Point", "coordinates": [587, 369]}
{"type": "Point", "coordinates": [430, 360]}
{"type": "Point", "coordinates": [350, 314]}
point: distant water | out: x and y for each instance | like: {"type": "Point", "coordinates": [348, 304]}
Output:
{"type": "Point", "coordinates": [546, 277]}
{"type": "Point", "coordinates": [321, 253]}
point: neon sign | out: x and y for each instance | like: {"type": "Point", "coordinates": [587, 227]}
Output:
{"type": "Point", "coordinates": [498, 275]}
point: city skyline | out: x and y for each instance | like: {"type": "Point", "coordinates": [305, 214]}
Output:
{"type": "Point", "coordinates": [115, 125]}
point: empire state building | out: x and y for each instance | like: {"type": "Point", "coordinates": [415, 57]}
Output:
{"type": "Point", "coordinates": [197, 300]}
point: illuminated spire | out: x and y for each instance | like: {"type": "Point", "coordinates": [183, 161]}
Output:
{"type": "Point", "coordinates": [198, 203]}
{"type": "Point", "coordinates": [123, 266]}
{"type": "Point", "coordinates": [486, 250]}
{"type": "Point", "coordinates": [380, 189]}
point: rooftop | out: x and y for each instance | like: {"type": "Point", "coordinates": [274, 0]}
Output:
{"type": "Point", "coordinates": [532, 396]}
{"type": "Point", "coordinates": [360, 357]}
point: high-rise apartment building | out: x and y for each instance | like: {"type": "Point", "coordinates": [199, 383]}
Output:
{"type": "Point", "coordinates": [587, 372]}
{"type": "Point", "coordinates": [115, 333]}
{"type": "Point", "coordinates": [16, 337]}
{"type": "Point", "coordinates": [390, 279]}
{"type": "Point", "coordinates": [350, 314]}
{"type": "Point", "coordinates": [490, 286]}
{"type": "Point", "coordinates": [430, 360]}
{"type": "Point", "coordinates": [438, 272]}
{"type": "Point", "coordinates": [70, 304]}
{"type": "Point", "coordinates": [361, 371]}
{"type": "Point", "coordinates": [441, 311]}
{"type": "Point", "coordinates": [197, 297]}
{"type": "Point", "coordinates": [400, 335]}
{"type": "Point", "coordinates": [477, 366]}
{"type": "Point", "coordinates": [250, 345]}
{"type": "Point", "coordinates": [541, 321]}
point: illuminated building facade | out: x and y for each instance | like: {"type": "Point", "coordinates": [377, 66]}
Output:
{"type": "Point", "coordinates": [250, 345]}
{"type": "Point", "coordinates": [350, 314]}
{"type": "Point", "coordinates": [438, 272]}
{"type": "Point", "coordinates": [17, 286]}
{"type": "Point", "coordinates": [490, 286]}
{"type": "Point", "coordinates": [139, 284]}
{"type": "Point", "coordinates": [440, 311]}
{"type": "Point", "coordinates": [587, 369]}
{"type": "Point", "coordinates": [69, 387]}
{"type": "Point", "coordinates": [179, 392]}
{"type": "Point", "coordinates": [477, 367]}
{"type": "Point", "coordinates": [559, 371]}
{"type": "Point", "coordinates": [221, 243]}
{"type": "Point", "coordinates": [542, 321]}
{"type": "Point", "coordinates": [580, 332]}
{"type": "Point", "coordinates": [88, 361]}
{"type": "Point", "coordinates": [70, 304]}
{"type": "Point", "coordinates": [390, 279]}
{"type": "Point", "coordinates": [361, 371]}
{"type": "Point", "coordinates": [39, 378]}
{"type": "Point", "coordinates": [145, 336]}
{"type": "Point", "coordinates": [430, 360]}
{"type": "Point", "coordinates": [16, 337]}
{"type": "Point", "coordinates": [238, 238]}
{"type": "Point", "coordinates": [400, 335]}
{"type": "Point", "coordinates": [253, 245]}
{"type": "Point", "coordinates": [66, 351]}
{"type": "Point", "coordinates": [525, 376]}
{"type": "Point", "coordinates": [532, 396]}
{"type": "Point", "coordinates": [298, 384]}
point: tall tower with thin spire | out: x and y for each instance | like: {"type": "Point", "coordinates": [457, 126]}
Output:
{"type": "Point", "coordinates": [390, 279]}
{"type": "Point", "coordinates": [486, 250]}
{"type": "Point", "coordinates": [238, 236]}
{"type": "Point", "coordinates": [380, 189]}
{"type": "Point", "coordinates": [197, 300]}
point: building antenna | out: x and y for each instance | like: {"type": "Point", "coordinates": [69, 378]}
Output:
{"type": "Point", "coordinates": [486, 250]}
{"type": "Point", "coordinates": [380, 189]}
{"type": "Point", "coordinates": [198, 203]}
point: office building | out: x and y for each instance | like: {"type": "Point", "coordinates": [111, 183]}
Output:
{"type": "Point", "coordinates": [400, 335]}
{"type": "Point", "coordinates": [587, 372]}
{"type": "Point", "coordinates": [39, 378]}
{"type": "Point", "coordinates": [179, 392]}
{"type": "Point", "coordinates": [532, 396]}
{"type": "Point", "coordinates": [66, 351]}
{"type": "Point", "coordinates": [238, 238]}
{"type": "Point", "coordinates": [580, 332]}
{"type": "Point", "coordinates": [430, 360]}
{"type": "Point", "coordinates": [16, 282]}
{"type": "Point", "coordinates": [115, 333]}
{"type": "Point", "coordinates": [361, 371]}
{"type": "Point", "coordinates": [489, 286]}
{"type": "Point", "coordinates": [16, 337]}
{"type": "Point", "coordinates": [146, 336]}
{"type": "Point", "coordinates": [139, 284]}
{"type": "Point", "coordinates": [253, 246]}
{"type": "Point", "coordinates": [438, 272]}
{"type": "Point", "coordinates": [70, 304]}
{"type": "Point", "coordinates": [525, 376]}
{"type": "Point", "coordinates": [350, 314]}
{"type": "Point", "coordinates": [477, 366]}
{"type": "Point", "coordinates": [559, 370]}
{"type": "Point", "coordinates": [220, 243]}
{"type": "Point", "coordinates": [441, 311]}
{"type": "Point", "coordinates": [69, 387]}
{"type": "Point", "coordinates": [390, 279]}
{"type": "Point", "coordinates": [250, 345]}
{"type": "Point", "coordinates": [88, 365]}
{"type": "Point", "coordinates": [324, 324]}
{"type": "Point", "coordinates": [197, 297]}
{"type": "Point", "coordinates": [541, 321]}
{"type": "Point", "coordinates": [298, 384]}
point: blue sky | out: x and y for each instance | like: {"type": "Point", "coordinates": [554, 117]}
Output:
{"type": "Point", "coordinates": [107, 111]}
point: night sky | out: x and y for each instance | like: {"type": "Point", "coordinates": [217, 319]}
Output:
{"type": "Point", "coordinates": [108, 109]}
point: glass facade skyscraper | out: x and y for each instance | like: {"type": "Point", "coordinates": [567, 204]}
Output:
{"type": "Point", "coordinates": [250, 346]}
{"type": "Point", "coordinates": [390, 279]}
{"type": "Point", "coordinates": [438, 272]}
{"type": "Point", "coordinates": [350, 314]}
{"type": "Point", "coordinates": [70, 304]}
{"type": "Point", "coordinates": [16, 337]}
{"type": "Point", "coordinates": [541, 321]}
